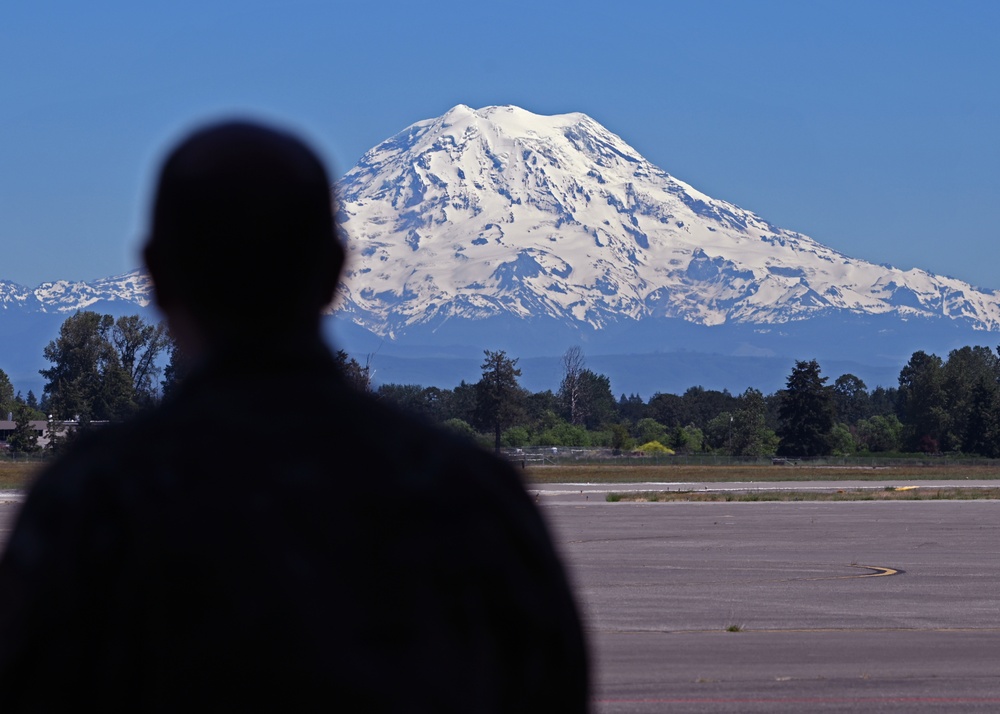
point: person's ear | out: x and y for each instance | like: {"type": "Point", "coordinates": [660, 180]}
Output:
{"type": "Point", "coordinates": [162, 290]}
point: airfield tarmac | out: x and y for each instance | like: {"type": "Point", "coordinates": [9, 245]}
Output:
{"type": "Point", "coordinates": [785, 607]}
{"type": "Point", "coordinates": [865, 606]}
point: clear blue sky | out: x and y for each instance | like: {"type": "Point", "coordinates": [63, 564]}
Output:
{"type": "Point", "coordinates": [874, 127]}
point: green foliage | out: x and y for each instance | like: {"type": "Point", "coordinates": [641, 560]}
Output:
{"type": "Point", "coordinates": [516, 436]}
{"type": "Point", "coordinates": [632, 408]}
{"type": "Point", "coordinates": [428, 403]}
{"type": "Point", "coordinates": [564, 434]}
{"type": "Point", "coordinates": [806, 413]}
{"type": "Point", "coordinates": [655, 447]}
{"type": "Point", "coordinates": [749, 439]}
{"type": "Point", "coordinates": [462, 428]}
{"type": "Point", "coordinates": [357, 376]}
{"type": "Point", "coordinates": [102, 368]}
{"type": "Point", "coordinates": [850, 399]}
{"type": "Point", "coordinates": [687, 439]}
{"type": "Point", "coordinates": [970, 380]}
{"type": "Point", "coordinates": [137, 345]}
{"type": "Point", "coordinates": [650, 430]}
{"type": "Point", "coordinates": [6, 395]}
{"type": "Point", "coordinates": [842, 442]}
{"type": "Point", "coordinates": [105, 368]}
{"type": "Point", "coordinates": [700, 405]}
{"type": "Point", "coordinates": [880, 434]}
{"type": "Point", "coordinates": [922, 403]}
{"type": "Point", "coordinates": [667, 409]}
{"type": "Point", "coordinates": [499, 398]}
{"type": "Point", "coordinates": [620, 439]}
{"type": "Point", "coordinates": [461, 402]}
{"type": "Point", "coordinates": [23, 440]}
{"type": "Point", "coordinates": [718, 431]}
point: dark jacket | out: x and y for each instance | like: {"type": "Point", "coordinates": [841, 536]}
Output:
{"type": "Point", "coordinates": [271, 539]}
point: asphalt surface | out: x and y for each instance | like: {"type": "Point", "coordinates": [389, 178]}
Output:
{"type": "Point", "coordinates": [837, 607]}
{"type": "Point", "coordinates": [575, 492]}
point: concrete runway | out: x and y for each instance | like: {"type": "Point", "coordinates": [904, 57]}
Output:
{"type": "Point", "coordinates": [854, 606]}
{"type": "Point", "coordinates": [840, 607]}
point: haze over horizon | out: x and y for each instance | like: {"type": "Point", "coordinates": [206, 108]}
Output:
{"type": "Point", "coordinates": [870, 128]}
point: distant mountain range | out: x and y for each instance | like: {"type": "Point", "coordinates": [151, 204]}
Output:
{"type": "Point", "coordinates": [502, 229]}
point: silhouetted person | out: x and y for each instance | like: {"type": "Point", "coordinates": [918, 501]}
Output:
{"type": "Point", "coordinates": [269, 539]}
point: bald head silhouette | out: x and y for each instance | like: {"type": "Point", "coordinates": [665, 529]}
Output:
{"type": "Point", "coordinates": [242, 233]}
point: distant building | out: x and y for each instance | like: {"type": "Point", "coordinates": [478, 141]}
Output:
{"type": "Point", "coordinates": [7, 427]}
{"type": "Point", "coordinates": [41, 428]}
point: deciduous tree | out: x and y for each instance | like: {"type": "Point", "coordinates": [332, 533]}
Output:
{"type": "Point", "coordinates": [850, 399]}
{"type": "Point", "coordinates": [102, 368]}
{"type": "Point", "coordinates": [571, 388]}
{"type": "Point", "coordinates": [751, 438]}
{"type": "Point", "coordinates": [139, 345]}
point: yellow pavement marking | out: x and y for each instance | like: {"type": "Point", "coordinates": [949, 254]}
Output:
{"type": "Point", "coordinates": [880, 571]}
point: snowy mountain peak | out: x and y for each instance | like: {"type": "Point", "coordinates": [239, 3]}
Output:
{"type": "Point", "coordinates": [496, 211]}
{"type": "Point", "coordinates": [66, 296]}
{"type": "Point", "coordinates": [499, 212]}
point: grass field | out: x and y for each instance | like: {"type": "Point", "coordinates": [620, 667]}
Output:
{"type": "Point", "coordinates": [16, 475]}
{"type": "Point", "coordinates": [619, 473]}
{"type": "Point", "coordinates": [887, 494]}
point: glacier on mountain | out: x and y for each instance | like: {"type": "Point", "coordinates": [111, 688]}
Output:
{"type": "Point", "coordinates": [502, 213]}
{"type": "Point", "coordinates": [499, 211]}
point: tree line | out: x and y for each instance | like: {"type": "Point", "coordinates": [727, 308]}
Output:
{"type": "Point", "coordinates": [939, 406]}
{"type": "Point", "coordinates": [104, 368]}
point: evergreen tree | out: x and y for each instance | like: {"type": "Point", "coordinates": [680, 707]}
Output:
{"type": "Point", "coordinates": [6, 395]}
{"type": "Point", "coordinates": [668, 409]}
{"type": "Point", "coordinates": [970, 382]}
{"type": "Point", "coordinates": [806, 412]}
{"type": "Point", "coordinates": [598, 400]}
{"type": "Point", "coordinates": [102, 368]}
{"type": "Point", "coordinates": [498, 393]}
{"type": "Point", "coordinates": [82, 359]}
{"type": "Point", "coordinates": [632, 408]}
{"type": "Point", "coordinates": [461, 402]}
{"type": "Point", "coordinates": [982, 434]}
{"type": "Point", "coordinates": [23, 440]}
{"type": "Point", "coordinates": [922, 403]}
{"type": "Point", "coordinates": [360, 377]}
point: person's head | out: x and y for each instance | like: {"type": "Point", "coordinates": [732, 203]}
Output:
{"type": "Point", "coordinates": [242, 241]}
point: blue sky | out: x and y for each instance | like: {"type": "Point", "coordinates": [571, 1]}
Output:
{"type": "Point", "coordinates": [870, 126]}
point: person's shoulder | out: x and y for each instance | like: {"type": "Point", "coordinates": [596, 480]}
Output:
{"type": "Point", "coordinates": [418, 443]}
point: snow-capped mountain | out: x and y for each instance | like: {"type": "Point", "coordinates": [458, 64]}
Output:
{"type": "Point", "coordinates": [65, 296]}
{"type": "Point", "coordinates": [501, 212]}
{"type": "Point", "coordinates": [498, 228]}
